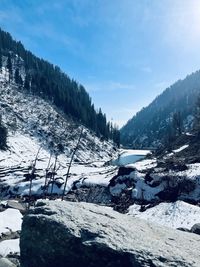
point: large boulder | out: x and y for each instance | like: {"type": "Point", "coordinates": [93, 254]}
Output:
{"type": "Point", "coordinates": [6, 263]}
{"type": "Point", "coordinates": [67, 234]}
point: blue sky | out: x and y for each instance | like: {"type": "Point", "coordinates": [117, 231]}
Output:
{"type": "Point", "coordinates": [125, 52]}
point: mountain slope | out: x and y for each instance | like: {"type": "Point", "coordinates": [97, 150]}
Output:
{"type": "Point", "coordinates": [34, 124]}
{"type": "Point", "coordinates": [29, 114]}
{"type": "Point", "coordinates": [43, 79]}
{"type": "Point", "coordinates": [150, 126]}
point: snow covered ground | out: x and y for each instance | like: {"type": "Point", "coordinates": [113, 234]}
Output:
{"type": "Point", "coordinates": [143, 165]}
{"type": "Point", "coordinates": [10, 221]}
{"type": "Point", "coordinates": [23, 148]}
{"type": "Point", "coordinates": [20, 153]}
{"type": "Point", "coordinates": [9, 247]}
{"type": "Point", "coordinates": [16, 162]}
{"type": "Point", "coordinates": [174, 215]}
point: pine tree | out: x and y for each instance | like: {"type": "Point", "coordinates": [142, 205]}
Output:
{"type": "Point", "coordinates": [18, 78]}
{"type": "Point", "coordinates": [3, 135]}
{"type": "Point", "coordinates": [9, 66]}
{"type": "Point", "coordinates": [177, 123]}
{"type": "Point", "coordinates": [27, 83]}
{"type": "Point", "coordinates": [1, 63]}
{"type": "Point", "coordinates": [196, 125]}
{"type": "Point", "coordinates": [116, 136]}
{"type": "Point", "coordinates": [169, 138]}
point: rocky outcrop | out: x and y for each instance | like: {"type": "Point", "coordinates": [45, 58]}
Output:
{"type": "Point", "coordinates": [156, 185]}
{"type": "Point", "coordinates": [96, 194]}
{"type": "Point", "coordinates": [81, 234]}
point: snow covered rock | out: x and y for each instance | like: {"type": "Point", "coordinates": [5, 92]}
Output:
{"type": "Point", "coordinates": [16, 205]}
{"type": "Point", "coordinates": [136, 181]}
{"type": "Point", "coordinates": [158, 184]}
{"type": "Point", "coordinates": [81, 234]}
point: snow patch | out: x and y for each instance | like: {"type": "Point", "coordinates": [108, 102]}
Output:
{"type": "Point", "coordinates": [9, 246]}
{"type": "Point", "coordinates": [174, 215]}
{"type": "Point", "coordinates": [180, 149]}
{"type": "Point", "coordinates": [10, 220]}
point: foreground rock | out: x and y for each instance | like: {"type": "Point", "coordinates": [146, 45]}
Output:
{"type": "Point", "coordinates": [80, 234]}
{"type": "Point", "coordinates": [6, 263]}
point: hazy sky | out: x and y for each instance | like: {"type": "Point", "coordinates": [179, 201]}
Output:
{"type": "Point", "coordinates": [124, 52]}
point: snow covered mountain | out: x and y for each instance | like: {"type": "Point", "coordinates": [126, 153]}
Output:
{"type": "Point", "coordinates": [155, 123]}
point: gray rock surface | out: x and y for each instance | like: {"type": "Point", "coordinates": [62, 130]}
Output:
{"type": "Point", "coordinates": [16, 205]}
{"type": "Point", "coordinates": [196, 229]}
{"type": "Point", "coordinates": [66, 234]}
{"type": "Point", "coordinates": [94, 194]}
{"type": "Point", "coordinates": [6, 263]}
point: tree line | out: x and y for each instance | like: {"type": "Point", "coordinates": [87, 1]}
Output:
{"type": "Point", "coordinates": [48, 81]}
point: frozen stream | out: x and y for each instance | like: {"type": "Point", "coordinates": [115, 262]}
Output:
{"type": "Point", "coordinates": [129, 156]}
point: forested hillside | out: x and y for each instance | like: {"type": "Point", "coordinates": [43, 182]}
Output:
{"type": "Point", "coordinates": [41, 78]}
{"type": "Point", "coordinates": [169, 114]}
